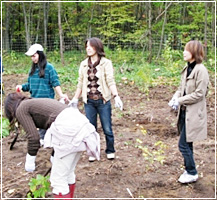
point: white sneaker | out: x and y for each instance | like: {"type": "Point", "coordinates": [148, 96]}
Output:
{"type": "Point", "coordinates": [110, 156]}
{"type": "Point", "coordinates": [187, 178]}
{"type": "Point", "coordinates": [30, 163]}
{"type": "Point", "coordinates": [92, 159]}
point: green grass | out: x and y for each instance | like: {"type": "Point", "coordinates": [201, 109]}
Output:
{"type": "Point", "coordinates": [5, 127]}
{"type": "Point", "coordinates": [130, 66]}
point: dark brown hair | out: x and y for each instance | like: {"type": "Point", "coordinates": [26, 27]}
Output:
{"type": "Point", "coordinates": [42, 62]}
{"type": "Point", "coordinates": [11, 104]}
{"type": "Point", "coordinates": [196, 49]}
{"type": "Point", "coordinates": [97, 44]}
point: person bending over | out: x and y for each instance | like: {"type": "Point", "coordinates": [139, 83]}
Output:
{"type": "Point", "coordinates": [69, 133]}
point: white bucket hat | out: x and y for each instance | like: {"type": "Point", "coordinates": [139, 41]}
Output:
{"type": "Point", "coordinates": [33, 49]}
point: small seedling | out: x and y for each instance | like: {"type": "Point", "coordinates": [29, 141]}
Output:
{"type": "Point", "coordinates": [39, 186]}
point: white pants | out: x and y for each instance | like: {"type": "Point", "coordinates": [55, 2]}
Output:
{"type": "Point", "coordinates": [62, 172]}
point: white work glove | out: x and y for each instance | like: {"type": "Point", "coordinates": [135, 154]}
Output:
{"type": "Point", "coordinates": [171, 101]}
{"type": "Point", "coordinates": [62, 100]}
{"type": "Point", "coordinates": [18, 88]}
{"type": "Point", "coordinates": [73, 102]}
{"type": "Point", "coordinates": [174, 103]}
{"type": "Point", "coordinates": [118, 103]}
{"type": "Point", "coordinates": [65, 97]}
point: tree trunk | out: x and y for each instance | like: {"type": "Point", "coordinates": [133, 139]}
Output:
{"type": "Point", "coordinates": [213, 27]}
{"type": "Point", "coordinates": [89, 33]}
{"type": "Point", "coordinates": [7, 23]}
{"type": "Point", "coordinates": [38, 25]}
{"type": "Point", "coordinates": [205, 33]}
{"type": "Point", "coordinates": [11, 33]}
{"type": "Point", "coordinates": [45, 11]}
{"type": "Point", "coordinates": [28, 42]}
{"type": "Point", "coordinates": [60, 33]}
{"type": "Point", "coordinates": [149, 32]}
{"type": "Point", "coordinates": [78, 9]}
{"type": "Point", "coordinates": [162, 32]}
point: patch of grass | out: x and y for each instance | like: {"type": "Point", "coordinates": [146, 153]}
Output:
{"type": "Point", "coordinates": [16, 63]}
{"type": "Point", "coordinates": [130, 66]}
{"type": "Point", "coordinates": [5, 127]}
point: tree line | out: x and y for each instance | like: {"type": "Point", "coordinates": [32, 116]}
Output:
{"type": "Point", "coordinates": [119, 24]}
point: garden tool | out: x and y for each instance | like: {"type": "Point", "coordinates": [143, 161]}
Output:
{"type": "Point", "coordinates": [15, 139]}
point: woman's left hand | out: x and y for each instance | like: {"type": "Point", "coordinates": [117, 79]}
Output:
{"type": "Point", "coordinates": [118, 103]}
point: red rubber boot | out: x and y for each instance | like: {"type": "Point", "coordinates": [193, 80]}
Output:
{"type": "Point", "coordinates": [62, 197]}
{"type": "Point", "coordinates": [72, 189]}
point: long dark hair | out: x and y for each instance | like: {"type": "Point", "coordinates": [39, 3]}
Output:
{"type": "Point", "coordinates": [11, 104]}
{"type": "Point", "coordinates": [97, 44]}
{"type": "Point", "coordinates": [41, 64]}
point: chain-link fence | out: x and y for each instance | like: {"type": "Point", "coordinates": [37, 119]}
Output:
{"type": "Point", "coordinates": [175, 41]}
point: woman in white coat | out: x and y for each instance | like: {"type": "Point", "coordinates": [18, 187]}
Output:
{"type": "Point", "coordinates": [190, 98]}
{"type": "Point", "coordinates": [69, 135]}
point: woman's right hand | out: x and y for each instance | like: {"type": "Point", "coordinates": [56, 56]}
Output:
{"type": "Point", "coordinates": [18, 88]}
{"type": "Point", "coordinates": [73, 102]}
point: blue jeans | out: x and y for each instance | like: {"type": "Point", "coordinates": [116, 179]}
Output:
{"type": "Point", "coordinates": [42, 133]}
{"type": "Point", "coordinates": [186, 148]}
{"type": "Point", "coordinates": [94, 107]}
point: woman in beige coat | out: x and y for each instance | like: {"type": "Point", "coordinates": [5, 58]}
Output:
{"type": "Point", "coordinates": [191, 100]}
{"type": "Point", "coordinates": [96, 85]}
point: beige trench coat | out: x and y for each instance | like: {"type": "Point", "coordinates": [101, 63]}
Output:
{"type": "Point", "coordinates": [195, 87]}
{"type": "Point", "coordinates": [104, 73]}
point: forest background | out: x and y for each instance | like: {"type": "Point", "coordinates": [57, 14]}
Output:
{"type": "Point", "coordinates": [144, 40]}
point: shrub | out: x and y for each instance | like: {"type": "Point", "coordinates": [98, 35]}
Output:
{"type": "Point", "coordinates": [39, 186]}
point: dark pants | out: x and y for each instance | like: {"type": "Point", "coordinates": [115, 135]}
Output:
{"type": "Point", "coordinates": [42, 133]}
{"type": "Point", "coordinates": [94, 107]}
{"type": "Point", "coordinates": [186, 148]}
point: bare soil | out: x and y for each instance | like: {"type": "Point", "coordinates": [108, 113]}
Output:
{"type": "Point", "coordinates": [130, 171]}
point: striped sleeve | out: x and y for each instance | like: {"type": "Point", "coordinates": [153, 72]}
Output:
{"type": "Point", "coordinates": [25, 119]}
{"type": "Point", "coordinates": [54, 79]}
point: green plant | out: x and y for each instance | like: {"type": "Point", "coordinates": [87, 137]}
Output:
{"type": "Point", "coordinates": [155, 154]}
{"type": "Point", "coordinates": [5, 127]}
{"type": "Point", "coordinates": [39, 186]}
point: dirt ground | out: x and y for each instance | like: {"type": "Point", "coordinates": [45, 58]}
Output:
{"type": "Point", "coordinates": [130, 175]}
